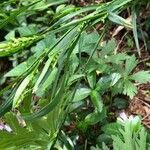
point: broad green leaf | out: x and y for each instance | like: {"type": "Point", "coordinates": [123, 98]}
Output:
{"type": "Point", "coordinates": [91, 79]}
{"type": "Point", "coordinates": [97, 100]}
{"type": "Point", "coordinates": [81, 94]}
{"type": "Point", "coordinates": [117, 58]}
{"type": "Point", "coordinates": [118, 87]}
{"type": "Point", "coordinates": [141, 76]}
{"type": "Point", "coordinates": [115, 78]}
{"type": "Point", "coordinates": [111, 129]}
{"type": "Point", "coordinates": [17, 71]}
{"type": "Point", "coordinates": [75, 106]}
{"type": "Point", "coordinates": [95, 47]}
{"type": "Point", "coordinates": [109, 47]}
{"type": "Point", "coordinates": [28, 30]}
{"type": "Point", "coordinates": [95, 117]}
{"type": "Point", "coordinates": [103, 83]}
{"type": "Point", "coordinates": [10, 35]}
{"type": "Point", "coordinates": [88, 42]}
{"type": "Point", "coordinates": [21, 68]}
{"type": "Point", "coordinates": [130, 64]}
{"type": "Point", "coordinates": [75, 78]}
{"type": "Point", "coordinates": [20, 138]}
{"type": "Point", "coordinates": [90, 38]}
{"type": "Point", "coordinates": [60, 7]}
{"type": "Point", "coordinates": [47, 43]}
{"type": "Point", "coordinates": [129, 89]}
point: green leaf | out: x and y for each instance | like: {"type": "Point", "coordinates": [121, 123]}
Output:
{"type": "Point", "coordinates": [46, 83]}
{"type": "Point", "coordinates": [94, 117]}
{"type": "Point", "coordinates": [117, 58]}
{"type": "Point", "coordinates": [97, 100]}
{"type": "Point", "coordinates": [116, 4]}
{"type": "Point", "coordinates": [42, 74]}
{"type": "Point", "coordinates": [141, 141]}
{"type": "Point", "coordinates": [34, 134]}
{"type": "Point", "coordinates": [120, 103]}
{"type": "Point", "coordinates": [75, 78]}
{"type": "Point", "coordinates": [129, 89]}
{"type": "Point", "coordinates": [104, 138]}
{"type": "Point", "coordinates": [119, 20]}
{"type": "Point", "coordinates": [104, 83]}
{"type": "Point", "coordinates": [21, 68]}
{"type": "Point", "coordinates": [60, 7]}
{"type": "Point", "coordinates": [111, 129]}
{"type": "Point", "coordinates": [81, 94]}
{"type": "Point", "coordinates": [10, 35]}
{"type": "Point", "coordinates": [105, 147]}
{"type": "Point", "coordinates": [42, 5]}
{"type": "Point", "coordinates": [17, 71]}
{"type": "Point", "coordinates": [135, 34]}
{"type": "Point", "coordinates": [21, 88]}
{"type": "Point", "coordinates": [14, 14]}
{"type": "Point", "coordinates": [28, 30]}
{"type": "Point", "coordinates": [141, 76]}
{"type": "Point", "coordinates": [118, 87]}
{"type": "Point", "coordinates": [115, 78]}
{"type": "Point", "coordinates": [90, 38]}
{"type": "Point", "coordinates": [109, 47]}
{"type": "Point", "coordinates": [91, 77]}
{"type": "Point", "coordinates": [130, 64]}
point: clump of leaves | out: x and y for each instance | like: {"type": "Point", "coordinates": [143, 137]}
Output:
{"type": "Point", "coordinates": [126, 133]}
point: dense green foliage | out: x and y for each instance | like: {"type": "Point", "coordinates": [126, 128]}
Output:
{"type": "Point", "coordinates": [65, 70]}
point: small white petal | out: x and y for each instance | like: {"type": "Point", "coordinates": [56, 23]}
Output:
{"type": "Point", "coordinates": [123, 116]}
{"type": "Point", "coordinates": [131, 118]}
{"type": "Point", "coordinates": [7, 128]}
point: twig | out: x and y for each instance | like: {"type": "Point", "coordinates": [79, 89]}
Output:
{"type": "Point", "coordinates": [144, 60]}
{"type": "Point", "coordinates": [145, 103]}
{"type": "Point", "coordinates": [85, 145]}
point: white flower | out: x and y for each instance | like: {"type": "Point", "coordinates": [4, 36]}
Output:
{"type": "Point", "coordinates": [135, 122]}
{"type": "Point", "coordinates": [123, 116]}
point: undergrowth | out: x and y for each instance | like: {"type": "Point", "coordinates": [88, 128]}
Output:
{"type": "Point", "coordinates": [68, 81]}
